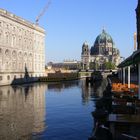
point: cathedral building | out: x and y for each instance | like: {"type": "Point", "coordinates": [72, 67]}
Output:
{"type": "Point", "coordinates": [103, 50]}
{"type": "Point", "coordinates": [22, 49]}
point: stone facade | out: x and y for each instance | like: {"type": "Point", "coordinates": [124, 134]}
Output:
{"type": "Point", "coordinates": [103, 50]}
{"type": "Point", "coordinates": [22, 49]}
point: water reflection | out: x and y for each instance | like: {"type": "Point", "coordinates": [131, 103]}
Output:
{"type": "Point", "coordinates": [22, 111]}
{"type": "Point", "coordinates": [87, 90]}
{"type": "Point", "coordinates": [90, 91]}
{"type": "Point", "coordinates": [62, 85]}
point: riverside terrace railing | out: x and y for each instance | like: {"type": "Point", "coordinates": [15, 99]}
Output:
{"type": "Point", "coordinates": [83, 74]}
{"type": "Point", "coordinates": [105, 73]}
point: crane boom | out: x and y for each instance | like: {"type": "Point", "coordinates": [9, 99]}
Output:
{"type": "Point", "coordinates": [42, 12]}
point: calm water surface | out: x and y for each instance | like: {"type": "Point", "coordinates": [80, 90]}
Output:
{"type": "Point", "coordinates": [40, 111]}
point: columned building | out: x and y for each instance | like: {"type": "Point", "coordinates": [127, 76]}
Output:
{"type": "Point", "coordinates": [103, 50]}
{"type": "Point", "coordinates": [132, 63]}
{"type": "Point", "coordinates": [22, 49]}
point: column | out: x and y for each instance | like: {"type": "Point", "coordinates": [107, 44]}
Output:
{"type": "Point", "coordinates": [128, 76]}
{"type": "Point", "coordinates": [124, 75]}
{"type": "Point", "coordinates": [83, 66]}
{"type": "Point", "coordinates": [139, 80]}
{"type": "Point", "coordinates": [119, 74]}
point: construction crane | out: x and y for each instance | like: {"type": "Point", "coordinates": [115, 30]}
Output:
{"type": "Point", "coordinates": [42, 12]}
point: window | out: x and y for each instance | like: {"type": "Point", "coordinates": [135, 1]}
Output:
{"type": "Point", "coordinates": [0, 78]}
{"type": "Point", "coordinates": [0, 36]}
{"type": "Point", "coordinates": [14, 28]}
{"type": "Point", "coordinates": [8, 77]}
{"type": "Point", "coordinates": [7, 26]}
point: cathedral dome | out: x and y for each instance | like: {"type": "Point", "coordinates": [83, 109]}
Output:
{"type": "Point", "coordinates": [101, 44]}
{"type": "Point", "coordinates": [103, 38]}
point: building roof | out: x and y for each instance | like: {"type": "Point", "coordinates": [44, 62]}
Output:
{"type": "Point", "coordinates": [104, 37]}
{"type": "Point", "coordinates": [101, 41]}
{"type": "Point", "coordinates": [132, 59]}
{"type": "Point", "coordinates": [138, 7]}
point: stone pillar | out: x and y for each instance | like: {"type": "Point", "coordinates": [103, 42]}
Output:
{"type": "Point", "coordinates": [139, 80]}
{"type": "Point", "coordinates": [121, 74]}
{"type": "Point", "coordinates": [83, 66]}
{"type": "Point", "coordinates": [124, 75]}
{"type": "Point", "coordinates": [128, 76]}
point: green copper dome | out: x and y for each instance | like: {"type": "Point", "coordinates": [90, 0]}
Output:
{"type": "Point", "coordinates": [103, 38]}
{"type": "Point", "coordinates": [101, 44]}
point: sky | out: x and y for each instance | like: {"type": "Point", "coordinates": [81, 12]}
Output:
{"type": "Point", "coordinates": [69, 23]}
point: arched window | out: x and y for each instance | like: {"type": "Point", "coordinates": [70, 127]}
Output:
{"type": "Point", "coordinates": [7, 53]}
{"type": "Point", "coordinates": [0, 51]}
{"type": "Point", "coordinates": [0, 36]}
{"type": "Point", "coordinates": [7, 38]}
{"type": "Point", "coordinates": [14, 65]}
{"type": "Point", "coordinates": [14, 54]}
{"type": "Point", "coordinates": [8, 77]}
{"type": "Point", "coordinates": [14, 40]}
{"type": "Point", "coordinates": [0, 78]}
{"type": "Point", "coordinates": [20, 55]}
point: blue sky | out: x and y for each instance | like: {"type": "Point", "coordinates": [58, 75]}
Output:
{"type": "Point", "coordinates": [68, 23]}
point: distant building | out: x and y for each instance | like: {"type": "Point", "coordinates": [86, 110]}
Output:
{"type": "Point", "coordinates": [67, 65]}
{"type": "Point", "coordinates": [22, 49]}
{"type": "Point", "coordinates": [103, 50]}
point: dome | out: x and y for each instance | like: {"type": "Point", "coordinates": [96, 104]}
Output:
{"type": "Point", "coordinates": [101, 44]}
{"type": "Point", "coordinates": [85, 49]}
{"type": "Point", "coordinates": [103, 38]}
{"type": "Point", "coordinates": [85, 44]}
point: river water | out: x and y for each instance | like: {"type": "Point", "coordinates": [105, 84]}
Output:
{"type": "Point", "coordinates": [40, 111]}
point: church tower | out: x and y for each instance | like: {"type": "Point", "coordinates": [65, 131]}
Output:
{"type": "Point", "coordinates": [138, 24]}
{"type": "Point", "coordinates": [85, 55]}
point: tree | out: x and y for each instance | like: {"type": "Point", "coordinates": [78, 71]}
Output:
{"type": "Point", "coordinates": [109, 65]}
{"type": "Point", "coordinates": [91, 65]}
{"type": "Point", "coordinates": [94, 65]}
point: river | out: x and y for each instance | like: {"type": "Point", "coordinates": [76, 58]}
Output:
{"type": "Point", "coordinates": [41, 111]}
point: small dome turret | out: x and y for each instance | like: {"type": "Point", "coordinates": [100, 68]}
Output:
{"type": "Point", "coordinates": [85, 48]}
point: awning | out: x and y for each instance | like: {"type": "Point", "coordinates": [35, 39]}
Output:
{"type": "Point", "coordinates": [132, 59]}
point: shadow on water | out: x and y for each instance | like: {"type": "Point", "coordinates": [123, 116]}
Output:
{"type": "Point", "coordinates": [58, 86]}
{"type": "Point", "coordinates": [100, 114]}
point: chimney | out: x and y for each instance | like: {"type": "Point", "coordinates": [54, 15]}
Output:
{"type": "Point", "coordinates": [135, 41]}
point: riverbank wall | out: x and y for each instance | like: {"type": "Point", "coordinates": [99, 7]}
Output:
{"type": "Point", "coordinates": [58, 77]}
